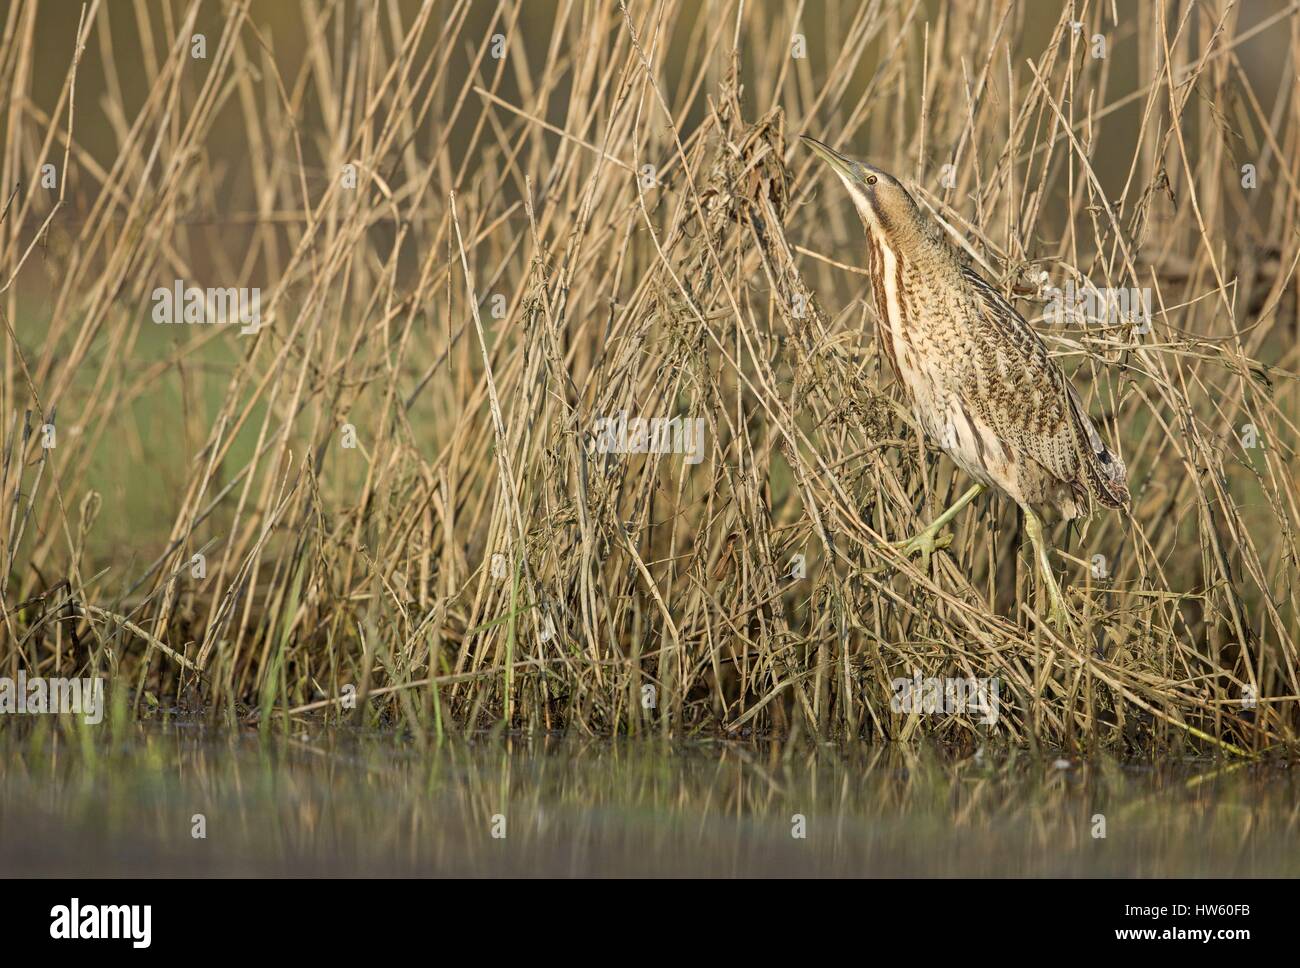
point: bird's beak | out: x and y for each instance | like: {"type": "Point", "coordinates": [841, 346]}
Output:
{"type": "Point", "coordinates": [841, 165]}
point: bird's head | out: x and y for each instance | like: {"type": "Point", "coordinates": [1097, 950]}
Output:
{"type": "Point", "coordinates": [883, 203]}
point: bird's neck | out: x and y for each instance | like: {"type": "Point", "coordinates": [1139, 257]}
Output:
{"type": "Point", "coordinates": [910, 248]}
{"type": "Point", "coordinates": [905, 269]}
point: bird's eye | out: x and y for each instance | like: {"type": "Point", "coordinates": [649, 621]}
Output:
{"type": "Point", "coordinates": [871, 179]}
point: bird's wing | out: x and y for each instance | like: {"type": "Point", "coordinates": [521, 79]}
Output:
{"type": "Point", "coordinates": [1027, 400]}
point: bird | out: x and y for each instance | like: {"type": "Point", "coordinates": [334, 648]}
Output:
{"type": "Point", "coordinates": [977, 377]}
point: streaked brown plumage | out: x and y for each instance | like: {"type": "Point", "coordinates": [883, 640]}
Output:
{"type": "Point", "coordinates": [977, 377]}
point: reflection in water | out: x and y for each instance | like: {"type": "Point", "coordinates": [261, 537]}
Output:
{"type": "Point", "coordinates": [124, 801]}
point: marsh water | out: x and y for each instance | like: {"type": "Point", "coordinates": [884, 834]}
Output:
{"type": "Point", "coordinates": [189, 800]}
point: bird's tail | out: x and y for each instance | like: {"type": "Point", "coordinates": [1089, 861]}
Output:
{"type": "Point", "coordinates": [1103, 472]}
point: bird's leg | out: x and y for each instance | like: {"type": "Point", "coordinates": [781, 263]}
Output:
{"type": "Point", "coordinates": [925, 542]}
{"type": "Point", "coordinates": [1057, 614]}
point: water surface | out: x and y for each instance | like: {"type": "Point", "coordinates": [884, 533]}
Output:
{"type": "Point", "coordinates": [335, 802]}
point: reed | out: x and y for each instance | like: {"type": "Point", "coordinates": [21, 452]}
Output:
{"type": "Point", "coordinates": [485, 235]}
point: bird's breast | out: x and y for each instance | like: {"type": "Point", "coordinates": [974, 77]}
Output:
{"type": "Point", "coordinates": [919, 335]}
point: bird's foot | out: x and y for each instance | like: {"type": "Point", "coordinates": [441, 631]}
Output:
{"type": "Point", "coordinates": [1059, 619]}
{"type": "Point", "coordinates": [1058, 613]}
{"type": "Point", "coordinates": [926, 543]}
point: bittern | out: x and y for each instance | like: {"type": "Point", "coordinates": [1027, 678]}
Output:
{"type": "Point", "coordinates": [977, 377]}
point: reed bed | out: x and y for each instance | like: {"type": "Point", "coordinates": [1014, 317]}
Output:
{"type": "Point", "coordinates": [481, 231]}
